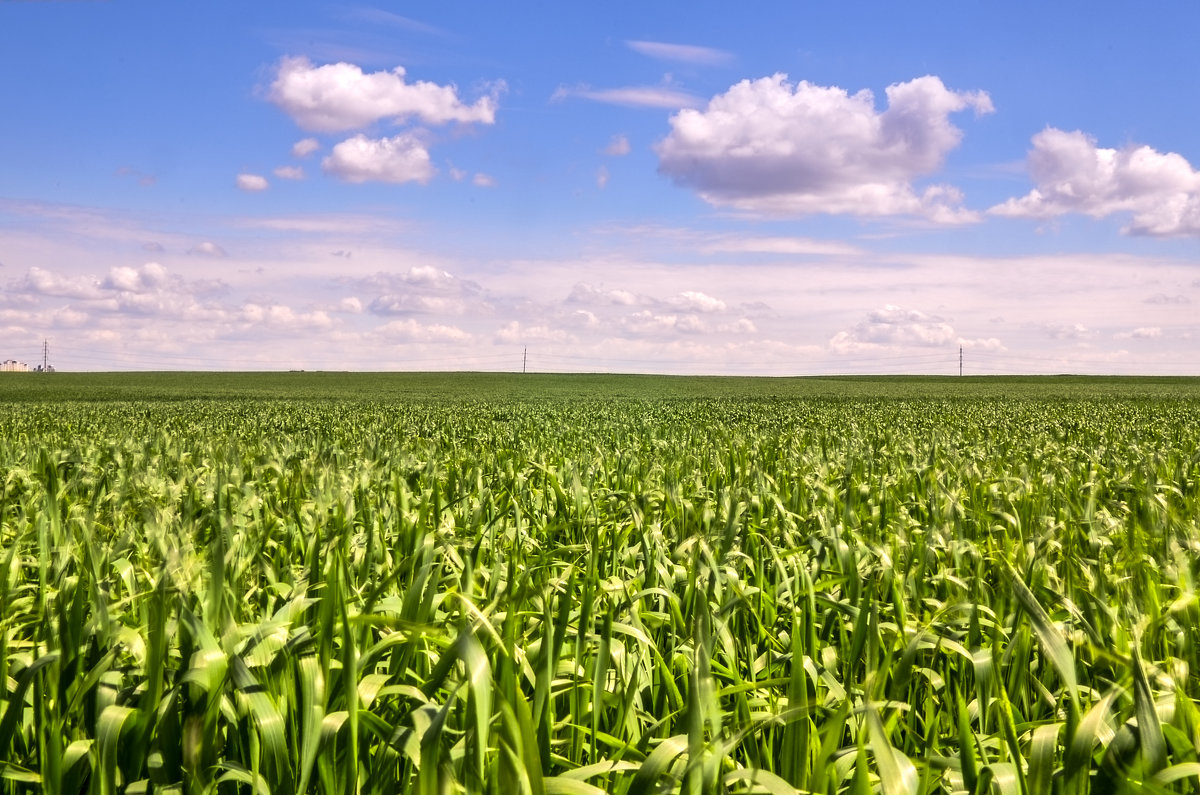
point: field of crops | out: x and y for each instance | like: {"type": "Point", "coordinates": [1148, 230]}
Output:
{"type": "Point", "coordinates": [578, 585]}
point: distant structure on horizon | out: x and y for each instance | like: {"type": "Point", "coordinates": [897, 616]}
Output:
{"type": "Point", "coordinates": [13, 366]}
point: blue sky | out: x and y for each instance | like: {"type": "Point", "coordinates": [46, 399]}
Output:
{"type": "Point", "coordinates": [788, 188]}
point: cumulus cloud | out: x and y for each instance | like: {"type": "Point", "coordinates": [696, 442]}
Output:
{"type": "Point", "coordinates": [289, 172]}
{"type": "Point", "coordinates": [305, 147]}
{"type": "Point", "coordinates": [482, 180]}
{"type": "Point", "coordinates": [38, 281]}
{"type": "Point", "coordinates": [1067, 331]}
{"type": "Point", "coordinates": [650, 324]}
{"type": "Point", "coordinates": [252, 183]}
{"type": "Point", "coordinates": [150, 276]}
{"type": "Point", "coordinates": [617, 147]}
{"type": "Point", "coordinates": [583, 293]}
{"type": "Point", "coordinates": [1074, 175]}
{"type": "Point", "coordinates": [694, 301]}
{"type": "Point", "coordinates": [282, 317]}
{"type": "Point", "coordinates": [771, 146]}
{"type": "Point", "coordinates": [894, 326]}
{"type": "Point", "coordinates": [685, 53]}
{"type": "Point", "coordinates": [410, 303]}
{"type": "Point", "coordinates": [422, 289]}
{"type": "Point", "coordinates": [402, 158]}
{"type": "Point", "coordinates": [631, 96]}
{"type": "Point", "coordinates": [428, 276]}
{"type": "Point", "coordinates": [340, 96]}
{"type": "Point", "coordinates": [207, 249]}
{"type": "Point", "coordinates": [147, 290]}
{"type": "Point", "coordinates": [602, 178]}
{"type": "Point", "coordinates": [409, 330]}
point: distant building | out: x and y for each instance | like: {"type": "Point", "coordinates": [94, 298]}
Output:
{"type": "Point", "coordinates": [49, 368]}
{"type": "Point", "coordinates": [13, 366]}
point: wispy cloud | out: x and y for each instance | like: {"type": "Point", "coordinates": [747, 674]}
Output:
{"type": "Point", "coordinates": [685, 53]}
{"type": "Point", "coordinates": [631, 96]}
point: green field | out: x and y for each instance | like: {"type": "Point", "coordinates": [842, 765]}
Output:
{"type": "Point", "coordinates": [341, 583]}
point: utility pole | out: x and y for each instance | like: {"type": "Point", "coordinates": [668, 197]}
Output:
{"type": "Point", "coordinates": [960, 361]}
{"type": "Point", "coordinates": [525, 359]}
{"type": "Point", "coordinates": [45, 356]}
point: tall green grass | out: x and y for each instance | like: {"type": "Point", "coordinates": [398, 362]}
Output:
{"type": "Point", "coordinates": [571, 596]}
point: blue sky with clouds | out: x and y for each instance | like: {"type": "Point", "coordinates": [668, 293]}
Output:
{"type": "Point", "coordinates": [781, 188]}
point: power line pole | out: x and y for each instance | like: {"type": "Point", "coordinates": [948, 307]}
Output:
{"type": "Point", "coordinates": [45, 356]}
{"type": "Point", "coordinates": [960, 361]}
{"type": "Point", "coordinates": [525, 359]}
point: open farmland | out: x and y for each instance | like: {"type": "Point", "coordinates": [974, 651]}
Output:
{"type": "Point", "coordinates": [321, 583]}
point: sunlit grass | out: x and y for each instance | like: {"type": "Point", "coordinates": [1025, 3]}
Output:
{"type": "Point", "coordinates": [903, 595]}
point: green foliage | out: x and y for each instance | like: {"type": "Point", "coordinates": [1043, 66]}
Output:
{"type": "Point", "coordinates": [601, 585]}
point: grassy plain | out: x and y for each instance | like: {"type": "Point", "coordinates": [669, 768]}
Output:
{"type": "Point", "coordinates": [322, 582]}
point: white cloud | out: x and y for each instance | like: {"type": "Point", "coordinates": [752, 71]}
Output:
{"type": "Point", "coordinates": [687, 53]}
{"type": "Point", "coordinates": [602, 177]}
{"type": "Point", "coordinates": [351, 305]}
{"type": "Point", "coordinates": [583, 318]}
{"type": "Point", "coordinates": [770, 146]}
{"type": "Point", "coordinates": [252, 183]}
{"type": "Point", "coordinates": [282, 317]}
{"type": "Point", "coordinates": [305, 147]}
{"type": "Point", "coordinates": [694, 301]}
{"type": "Point", "coordinates": [632, 96]}
{"type": "Point", "coordinates": [427, 276]}
{"type": "Point", "coordinates": [410, 303]}
{"type": "Point", "coordinates": [43, 282]}
{"type": "Point", "coordinates": [894, 326]}
{"type": "Point", "coordinates": [1074, 175]}
{"type": "Point", "coordinates": [289, 172]}
{"type": "Point", "coordinates": [1141, 333]}
{"type": "Point", "coordinates": [989, 344]}
{"type": "Point", "coordinates": [650, 324]}
{"type": "Point", "coordinates": [515, 333]}
{"type": "Point", "coordinates": [422, 289]}
{"type": "Point", "coordinates": [136, 280]}
{"type": "Point", "coordinates": [409, 330]}
{"type": "Point", "coordinates": [402, 158]}
{"type": "Point", "coordinates": [743, 325]}
{"type": "Point", "coordinates": [324, 223]}
{"type": "Point", "coordinates": [617, 147]}
{"type": "Point", "coordinates": [1067, 331]}
{"type": "Point", "coordinates": [340, 96]}
{"type": "Point", "coordinates": [584, 293]}
{"type": "Point", "coordinates": [780, 245]}
{"type": "Point", "coordinates": [481, 180]}
{"type": "Point", "coordinates": [207, 249]}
